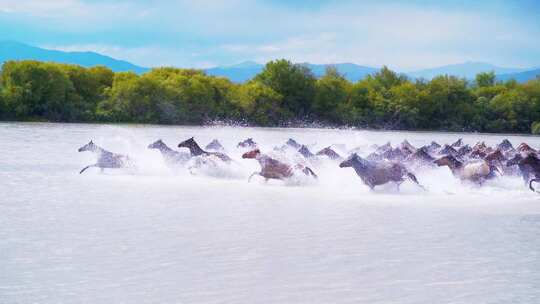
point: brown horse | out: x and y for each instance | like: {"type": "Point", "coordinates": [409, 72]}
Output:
{"type": "Point", "coordinates": [378, 173]}
{"type": "Point", "coordinates": [330, 153]}
{"type": "Point", "coordinates": [274, 169]}
{"type": "Point", "coordinates": [529, 166]}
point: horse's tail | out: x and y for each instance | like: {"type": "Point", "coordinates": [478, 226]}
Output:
{"type": "Point", "coordinates": [308, 171]}
{"type": "Point", "coordinates": [535, 180]}
{"type": "Point", "coordinates": [415, 180]}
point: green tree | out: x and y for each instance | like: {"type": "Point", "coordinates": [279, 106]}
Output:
{"type": "Point", "coordinates": [332, 93]}
{"type": "Point", "coordinates": [486, 79]}
{"type": "Point", "coordinates": [294, 82]}
{"type": "Point", "coordinates": [261, 104]}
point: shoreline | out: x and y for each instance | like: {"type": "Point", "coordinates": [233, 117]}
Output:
{"type": "Point", "coordinates": [319, 127]}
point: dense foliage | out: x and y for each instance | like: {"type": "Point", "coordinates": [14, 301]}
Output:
{"type": "Point", "coordinates": [283, 93]}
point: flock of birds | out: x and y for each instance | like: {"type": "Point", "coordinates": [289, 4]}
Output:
{"type": "Point", "coordinates": [385, 164]}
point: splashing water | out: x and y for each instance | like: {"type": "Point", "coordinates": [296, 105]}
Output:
{"type": "Point", "coordinates": [165, 235]}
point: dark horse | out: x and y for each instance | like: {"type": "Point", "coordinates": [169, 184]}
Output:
{"type": "Point", "coordinates": [529, 166]}
{"type": "Point", "coordinates": [105, 159]}
{"type": "Point", "coordinates": [378, 173]}
{"type": "Point", "coordinates": [170, 156]}
{"type": "Point", "coordinates": [273, 168]}
{"type": "Point", "coordinates": [196, 150]}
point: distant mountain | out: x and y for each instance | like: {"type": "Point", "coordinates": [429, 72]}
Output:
{"type": "Point", "coordinates": [465, 70]}
{"type": "Point", "coordinates": [351, 71]}
{"type": "Point", "coordinates": [521, 76]}
{"type": "Point", "coordinates": [10, 50]}
{"type": "Point", "coordinates": [246, 70]}
{"type": "Point", "coordinates": [237, 73]}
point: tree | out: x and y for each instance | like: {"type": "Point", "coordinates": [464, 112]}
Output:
{"type": "Point", "coordinates": [332, 93]}
{"type": "Point", "coordinates": [260, 104]}
{"type": "Point", "coordinates": [486, 79]}
{"type": "Point", "coordinates": [34, 89]}
{"type": "Point", "coordinates": [294, 82]}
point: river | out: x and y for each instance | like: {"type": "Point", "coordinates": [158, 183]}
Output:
{"type": "Point", "coordinates": [167, 236]}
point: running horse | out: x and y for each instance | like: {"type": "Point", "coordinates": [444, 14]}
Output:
{"type": "Point", "coordinates": [529, 166]}
{"type": "Point", "coordinates": [105, 159]}
{"type": "Point", "coordinates": [196, 150]}
{"type": "Point", "coordinates": [170, 156]}
{"type": "Point", "coordinates": [274, 169]}
{"type": "Point", "coordinates": [476, 172]}
{"type": "Point", "coordinates": [379, 173]}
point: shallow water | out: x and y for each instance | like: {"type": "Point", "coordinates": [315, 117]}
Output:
{"type": "Point", "coordinates": [165, 236]}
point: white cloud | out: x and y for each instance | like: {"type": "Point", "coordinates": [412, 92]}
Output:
{"type": "Point", "coordinates": [193, 33]}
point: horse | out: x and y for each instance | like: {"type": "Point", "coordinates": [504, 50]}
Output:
{"type": "Point", "coordinates": [274, 169]}
{"type": "Point", "coordinates": [170, 156]}
{"type": "Point", "coordinates": [497, 158]}
{"type": "Point", "coordinates": [378, 173]}
{"type": "Point", "coordinates": [528, 166]}
{"type": "Point", "coordinates": [214, 145]}
{"type": "Point", "coordinates": [448, 150]}
{"type": "Point", "coordinates": [304, 151]}
{"type": "Point", "coordinates": [293, 143]}
{"type": "Point", "coordinates": [248, 143]}
{"type": "Point", "coordinates": [384, 148]}
{"type": "Point", "coordinates": [105, 159]}
{"type": "Point", "coordinates": [421, 157]}
{"type": "Point", "coordinates": [330, 153]}
{"type": "Point", "coordinates": [476, 172]}
{"type": "Point", "coordinates": [464, 151]}
{"type": "Point", "coordinates": [406, 148]}
{"type": "Point", "coordinates": [505, 145]}
{"type": "Point", "coordinates": [525, 148]}
{"type": "Point", "coordinates": [196, 150]}
{"type": "Point", "coordinates": [432, 147]}
{"type": "Point", "coordinates": [457, 144]}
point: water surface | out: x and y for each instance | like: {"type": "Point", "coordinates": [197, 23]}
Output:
{"type": "Point", "coordinates": [164, 236]}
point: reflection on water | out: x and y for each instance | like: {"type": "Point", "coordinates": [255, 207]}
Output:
{"type": "Point", "coordinates": [167, 236]}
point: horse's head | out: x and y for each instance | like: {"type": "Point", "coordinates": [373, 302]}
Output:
{"type": "Point", "coordinates": [291, 142]}
{"type": "Point", "coordinates": [447, 160]}
{"type": "Point", "coordinates": [252, 154]}
{"type": "Point", "coordinates": [495, 156]}
{"type": "Point", "coordinates": [351, 161]}
{"type": "Point", "coordinates": [156, 145]}
{"type": "Point", "coordinates": [187, 143]}
{"type": "Point", "coordinates": [458, 143]}
{"type": "Point", "coordinates": [532, 160]}
{"type": "Point", "coordinates": [514, 160]}
{"type": "Point", "coordinates": [305, 152]}
{"type": "Point", "coordinates": [247, 143]}
{"type": "Point", "coordinates": [523, 147]}
{"type": "Point", "coordinates": [505, 145]}
{"type": "Point", "coordinates": [88, 147]}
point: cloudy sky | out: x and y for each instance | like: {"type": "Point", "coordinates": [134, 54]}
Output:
{"type": "Point", "coordinates": [404, 35]}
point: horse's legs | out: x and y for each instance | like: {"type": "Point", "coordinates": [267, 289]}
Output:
{"type": "Point", "coordinates": [253, 174]}
{"type": "Point", "coordinates": [415, 180]}
{"type": "Point", "coordinates": [84, 169]}
{"type": "Point", "coordinates": [534, 180]}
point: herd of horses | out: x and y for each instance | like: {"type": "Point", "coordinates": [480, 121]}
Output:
{"type": "Point", "coordinates": [383, 165]}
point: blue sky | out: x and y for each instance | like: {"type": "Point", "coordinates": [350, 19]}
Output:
{"type": "Point", "coordinates": [404, 35]}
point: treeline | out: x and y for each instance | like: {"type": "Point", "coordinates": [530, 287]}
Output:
{"type": "Point", "coordinates": [282, 94]}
